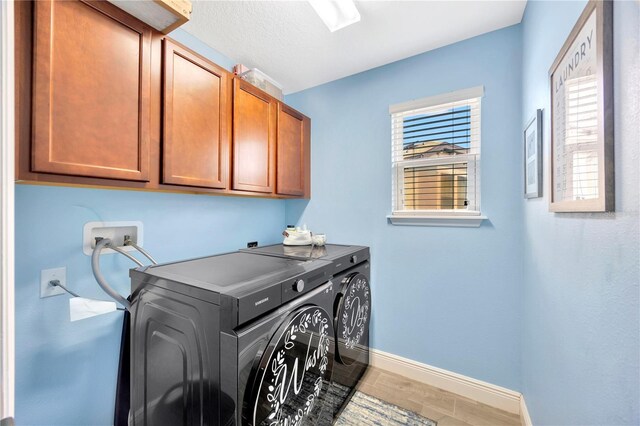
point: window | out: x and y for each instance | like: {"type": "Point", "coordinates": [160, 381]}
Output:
{"type": "Point", "coordinates": [436, 160]}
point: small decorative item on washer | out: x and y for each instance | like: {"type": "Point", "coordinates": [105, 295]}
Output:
{"type": "Point", "coordinates": [296, 236]}
{"type": "Point", "coordinates": [319, 239]}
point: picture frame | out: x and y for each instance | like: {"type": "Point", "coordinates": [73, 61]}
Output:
{"type": "Point", "coordinates": [581, 88]}
{"type": "Point", "coordinates": [532, 137]}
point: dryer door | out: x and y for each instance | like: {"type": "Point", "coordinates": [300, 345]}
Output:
{"type": "Point", "coordinates": [292, 376]}
{"type": "Point", "coordinates": [353, 314]}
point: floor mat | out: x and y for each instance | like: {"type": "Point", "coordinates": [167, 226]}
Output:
{"type": "Point", "coordinates": [366, 410]}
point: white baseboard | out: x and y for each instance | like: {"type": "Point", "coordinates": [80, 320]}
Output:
{"type": "Point", "coordinates": [486, 393]}
{"type": "Point", "coordinates": [524, 413]}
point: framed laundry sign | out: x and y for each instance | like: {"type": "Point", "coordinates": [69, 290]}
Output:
{"type": "Point", "coordinates": [581, 79]}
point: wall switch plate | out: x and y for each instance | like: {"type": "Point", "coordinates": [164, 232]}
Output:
{"type": "Point", "coordinates": [46, 275]}
{"type": "Point", "coordinates": [114, 231]}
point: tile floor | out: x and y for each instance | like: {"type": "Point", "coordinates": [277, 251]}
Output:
{"type": "Point", "coordinates": [446, 408]}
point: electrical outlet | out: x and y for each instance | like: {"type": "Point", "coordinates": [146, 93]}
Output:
{"type": "Point", "coordinates": [252, 244]}
{"type": "Point", "coordinates": [47, 275]}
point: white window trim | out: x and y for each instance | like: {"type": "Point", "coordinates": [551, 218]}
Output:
{"type": "Point", "coordinates": [447, 218]}
{"type": "Point", "coordinates": [444, 98]}
{"type": "Point", "coordinates": [452, 221]}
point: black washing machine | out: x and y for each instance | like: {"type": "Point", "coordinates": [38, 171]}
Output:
{"type": "Point", "coordinates": [351, 312]}
{"type": "Point", "coordinates": [234, 339]}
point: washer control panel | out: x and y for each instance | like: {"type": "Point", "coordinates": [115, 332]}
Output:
{"type": "Point", "coordinates": [302, 284]}
{"type": "Point", "coordinates": [298, 286]}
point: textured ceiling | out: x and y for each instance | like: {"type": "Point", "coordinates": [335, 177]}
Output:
{"type": "Point", "coordinates": [289, 42]}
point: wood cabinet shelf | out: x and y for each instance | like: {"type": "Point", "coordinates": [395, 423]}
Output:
{"type": "Point", "coordinates": [271, 144]}
{"type": "Point", "coordinates": [90, 98]}
{"type": "Point", "coordinates": [254, 138]}
{"type": "Point", "coordinates": [103, 100]}
{"type": "Point", "coordinates": [293, 156]}
{"type": "Point", "coordinates": [196, 119]}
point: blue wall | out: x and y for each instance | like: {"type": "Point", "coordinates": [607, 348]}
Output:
{"type": "Point", "coordinates": [581, 296]}
{"type": "Point", "coordinates": [448, 297]}
{"type": "Point", "coordinates": [533, 301]}
{"type": "Point", "coordinates": [196, 44]}
{"type": "Point", "coordinates": [66, 372]}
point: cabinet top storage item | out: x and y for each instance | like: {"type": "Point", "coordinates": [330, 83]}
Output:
{"type": "Point", "coordinates": [163, 15]}
{"type": "Point", "coordinates": [263, 82]}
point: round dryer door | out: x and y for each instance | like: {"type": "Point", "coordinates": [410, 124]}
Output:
{"type": "Point", "coordinates": [294, 371]}
{"type": "Point", "coordinates": [352, 319]}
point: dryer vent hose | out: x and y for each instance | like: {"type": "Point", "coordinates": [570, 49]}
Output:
{"type": "Point", "coordinates": [95, 265]}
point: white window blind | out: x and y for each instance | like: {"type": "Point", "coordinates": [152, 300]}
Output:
{"type": "Point", "coordinates": [436, 155]}
{"type": "Point", "coordinates": [580, 174]}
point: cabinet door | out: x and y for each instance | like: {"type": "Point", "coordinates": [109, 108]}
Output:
{"type": "Point", "coordinates": [292, 168]}
{"type": "Point", "coordinates": [197, 114]}
{"type": "Point", "coordinates": [254, 138]}
{"type": "Point", "coordinates": [91, 91]}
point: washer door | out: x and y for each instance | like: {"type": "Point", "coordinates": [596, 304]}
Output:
{"type": "Point", "coordinates": [294, 371]}
{"type": "Point", "coordinates": [353, 314]}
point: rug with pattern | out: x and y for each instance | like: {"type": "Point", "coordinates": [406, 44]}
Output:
{"type": "Point", "coordinates": [365, 410]}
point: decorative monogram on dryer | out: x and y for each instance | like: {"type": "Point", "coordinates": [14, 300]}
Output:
{"type": "Point", "coordinates": [297, 372]}
{"type": "Point", "coordinates": [353, 316]}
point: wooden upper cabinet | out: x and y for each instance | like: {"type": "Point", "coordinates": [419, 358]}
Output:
{"type": "Point", "coordinates": [102, 99]}
{"type": "Point", "coordinates": [254, 138]}
{"type": "Point", "coordinates": [292, 165]}
{"type": "Point", "coordinates": [197, 119]}
{"type": "Point", "coordinates": [91, 97]}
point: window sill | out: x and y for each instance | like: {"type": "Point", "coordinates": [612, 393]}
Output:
{"type": "Point", "coordinates": [448, 221]}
